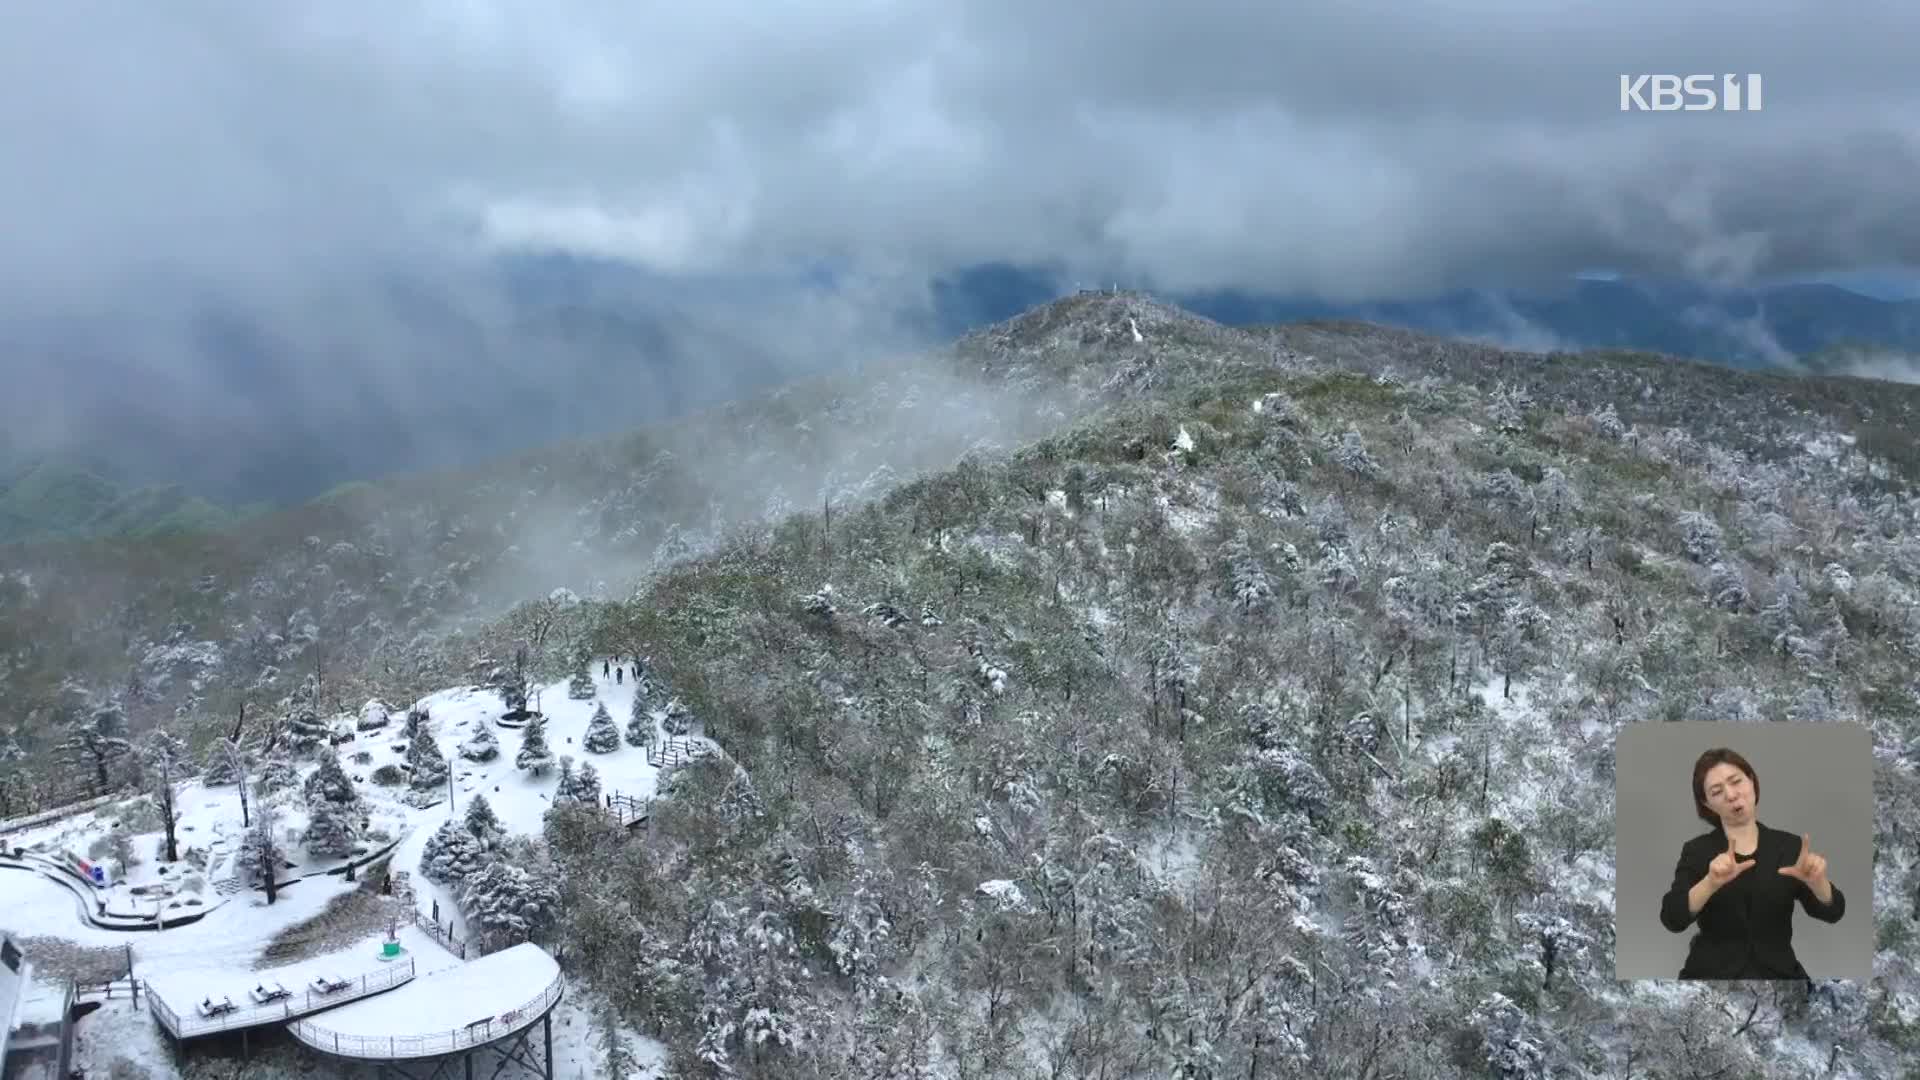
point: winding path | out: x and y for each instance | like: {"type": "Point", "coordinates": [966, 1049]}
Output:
{"type": "Point", "coordinates": [87, 902]}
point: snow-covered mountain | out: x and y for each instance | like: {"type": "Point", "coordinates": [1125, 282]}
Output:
{"type": "Point", "coordinates": [1178, 700]}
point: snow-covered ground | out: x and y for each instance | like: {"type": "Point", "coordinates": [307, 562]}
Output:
{"type": "Point", "coordinates": [218, 954]}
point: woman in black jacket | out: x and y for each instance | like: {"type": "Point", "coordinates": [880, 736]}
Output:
{"type": "Point", "coordinates": [1740, 881]}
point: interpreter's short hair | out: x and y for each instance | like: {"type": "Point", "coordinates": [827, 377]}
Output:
{"type": "Point", "coordinates": [1719, 756]}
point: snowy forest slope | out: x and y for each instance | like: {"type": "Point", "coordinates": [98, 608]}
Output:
{"type": "Point", "coordinates": [1240, 704]}
{"type": "Point", "coordinates": [1263, 727]}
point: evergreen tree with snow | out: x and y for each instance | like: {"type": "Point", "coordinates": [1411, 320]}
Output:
{"type": "Point", "coordinates": [586, 784]}
{"type": "Point", "coordinates": [305, 733]}
{"type": "Point", "coordinates": [260, 859]}
{"type": "Point", "coordinates": [580, 686]}
{"type": "Point", "coordinates": [640, 723]}
{"type": "Point", "coordinates": [1354, 457]}
{"type": "Point", "coordinates": [330, 826]}
{"type": "Point", "coordinates": [330, 783]}
{"type": "Point", "coordinates": [609, 1045]}
{"type": "Point", "coordinates": [564, 789]}
{"type": "Point", "coordinates": [507, 904]}
{"type": "Point", "coordinates": [602, 736]}
{"type": "Point", "coordinates": [534, 756]}
{"type": "Point", "coordinates": [277, 774]}
{"type": "Point", "coordinates": [481, 821]}
{"type": "Point", "coordinates": [481, 745]}
{"type": "Point", "coordinates": [679, 718]}
{"type": "Point", "coordinates": [374, 715]}
{"type": "Point", "coordinates": [452, 855]}
{"type": "Point", "coordinates": [416, 720]}
{"type": "Point", "coordinates": [428, 764]}
{"type": "Point", "coordinates": [514, 695]}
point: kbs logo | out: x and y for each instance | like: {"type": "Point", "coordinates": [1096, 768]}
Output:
{"type": "Point", "coordinates": [1692, 93]}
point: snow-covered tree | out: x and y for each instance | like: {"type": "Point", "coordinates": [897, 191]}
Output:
{"type": "Point", "coordinates": [1727, 587]}
{"type": "Point", "coordinates": [429, 766]}
{"type": "Point", "coordinates": [609, 1043]}
{"type": "Point", "coordinates": [163, 756]}
{"type": "Point", "coordinates": [305, 733]}
{"type": "Point", "coordinates": [1251, 587]}
{"type": "Point", "coordinates": [1608, 421]}
{"type": "Point", "coordinates": [534, 756]}
{"type": "Point", "coordinates": [482, 745]}
{"type": "Point", "coordinates": [277, 774]}
{"type": "Point", "coordinates": [330, 826]}
{"type": "Point", "coordinates": [374, 715]}
{"type": "Point", "coordinates": [819, 604]}
{"type": "Point", "coordinates": [602, 736]}
{"type": "Point", "coordinates": [452, 855]}
{"type": "Point", "coordinates": [96, 743]}
{"type": "Point", "coordinates": [508, 904]}
{"type": "Point", "coordinates": [1511, 1049]}
{"type": "Point", "coordinates": [217, 768]}
{"type": "Point", "coordinates": [330, 783]}
{"type": "Point", "coordinates": [513, 694]}
{"type": "Point", "coordinates": [259, 857]}
{"type": "Point", "coordinates": [239, 762]}
{"type": "Point", "coordinates": [586, 784]}
{"type": "Point", "coordinates": [480, 819]}
{"type": "Point", "coordinates": [1352, 455]}
{"type": "Point", "coordinates": [1700, 535]}
{"type": "Point", "coordinates": [640, 724]}
{"type": "Point", "coordinates": [679, 718]}
{"type": "Point", "coordinates": [580, 686]}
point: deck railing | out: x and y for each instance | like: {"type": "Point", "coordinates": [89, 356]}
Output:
{"type": "Point", "coordinates": [300, 1004]}
{"type": "Point", "coordinates": [389, 1047]}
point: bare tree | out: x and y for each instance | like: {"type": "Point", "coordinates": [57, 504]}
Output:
{"type": "Point", "coordinates": [163, 755]}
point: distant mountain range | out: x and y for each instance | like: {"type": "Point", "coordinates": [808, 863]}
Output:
{"type": "Point", "coordinates": [1778, 326]}
{"type": "Point", "coordinates": [416, 373]}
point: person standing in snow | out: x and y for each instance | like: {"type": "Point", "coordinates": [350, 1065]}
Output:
{"type": "Point", "coordinates": [619, 675]}
{"type": "Point", "coordinates": [603, 669]}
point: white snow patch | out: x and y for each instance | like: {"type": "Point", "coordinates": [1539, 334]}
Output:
{"type": "Point", "coordinates": [1004, 893]}
{"type": "Point", "coordinates": [1131, 325]}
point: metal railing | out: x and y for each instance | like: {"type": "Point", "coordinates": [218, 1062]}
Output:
{"type": "Point", "coordinates": [388, 1047]}
{"type": "Point", "coordinates": [300, 1004]}
{"type": "Point", "coordinates": [443, 935]}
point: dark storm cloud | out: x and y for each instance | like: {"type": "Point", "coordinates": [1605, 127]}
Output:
{"type": "Point", "coordinates": [1348, 146]}
{"type": "Point", "coordinates": [276, 152]}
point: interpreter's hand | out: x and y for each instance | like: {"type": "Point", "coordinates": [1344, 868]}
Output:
{"type": "Point", "coordinates": [1810, 868]}
{"type": "Point", "coordinates": [1726, 866]}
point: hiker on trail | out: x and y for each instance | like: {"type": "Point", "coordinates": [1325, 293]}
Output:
{"type": "Point", "coordinates": [603, 669]}
{"type": "Point", "coordinates": [619, 675]}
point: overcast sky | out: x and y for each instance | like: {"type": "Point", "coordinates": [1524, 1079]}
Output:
{"type": "Point", "coordinates": [1351, 148]}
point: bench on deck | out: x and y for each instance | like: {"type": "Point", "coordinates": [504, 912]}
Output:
{"type": "Point", "coordinates": [268, 993]}
{"type": "Point", "coordinates": [330, 984]}
{"type": "Point", "coordinates": [212, 1007]}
